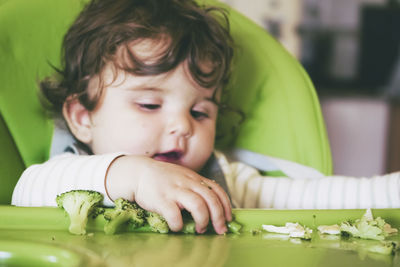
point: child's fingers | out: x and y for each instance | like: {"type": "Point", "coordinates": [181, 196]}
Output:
{"type": "Point", "coordinates": [214, 206]}
{"type": "Point", "coordinates": [223, 197]}
{"type": "Point", "coordinates": [197, 207]}
{"type": "Point", "coordinates": [172, 214]}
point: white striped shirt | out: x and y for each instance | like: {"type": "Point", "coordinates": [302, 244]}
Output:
{"type": "Point", "coordinates": [40, 184]}
{"type": "Point", "coordinates": [249, 189]}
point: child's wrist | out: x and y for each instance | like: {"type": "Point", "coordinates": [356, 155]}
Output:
{"type": "Point", "coordinates": [119, 181]}
{"type": "Point", "coordinates": [107, 180]}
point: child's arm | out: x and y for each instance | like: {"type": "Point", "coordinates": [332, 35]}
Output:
{"type": "Point", "coordinates": [41, 183]}
{"type": "Point", "coordinates": [167, 188]}
{"type": "Point", "coordinates": [333, 192]}
{"type": "Point", "coordinates": [249, 189]}
{"type": "Point", "coordinates": [156, 186]}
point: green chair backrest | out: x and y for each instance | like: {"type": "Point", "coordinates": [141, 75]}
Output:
{"type": "Point", "coordinates": [283, 117]}
{"type": "Point", "coordinates": [11, 165]}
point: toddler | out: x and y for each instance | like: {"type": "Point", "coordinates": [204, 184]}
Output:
{"type": "Point", "coordinates": [140, 88]}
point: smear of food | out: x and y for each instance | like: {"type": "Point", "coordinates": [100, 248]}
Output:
{"type": "Point", "coordinates": [291, 229]}
{"type": "Point", "coordinates": [329, 229]}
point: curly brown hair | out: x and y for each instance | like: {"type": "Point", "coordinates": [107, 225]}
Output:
{"type": "Point", "coordinates": [197, 35]}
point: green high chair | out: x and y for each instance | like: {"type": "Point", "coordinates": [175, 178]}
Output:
{"type": "Point", "coordinates": [283, 116]}
{"type": "Point", "coordinates": [283, 120]}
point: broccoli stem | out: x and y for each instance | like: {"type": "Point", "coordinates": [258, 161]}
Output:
{"type": "Point", "coordinates": [112, 226]}
{"type": "Point", "coordinates": [77, 225]}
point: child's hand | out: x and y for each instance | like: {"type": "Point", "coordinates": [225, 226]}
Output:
{"type": "Point", "coordinates": [167, 188]}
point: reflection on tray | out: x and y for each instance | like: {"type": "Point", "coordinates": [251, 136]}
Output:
{"type": "Point", "coordinates": [165, 250]}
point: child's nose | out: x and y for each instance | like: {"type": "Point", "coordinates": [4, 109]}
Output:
{"type": "Point", "coordinates": [180, 125]}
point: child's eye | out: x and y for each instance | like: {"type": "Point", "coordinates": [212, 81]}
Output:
{"type": "Point", "coordinates": [149, 106]}
{"type": "Point", "coordinates": [198, 114]}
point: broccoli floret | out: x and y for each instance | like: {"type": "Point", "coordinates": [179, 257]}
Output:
{"type": "Point", "coordinates": [189, 227]}
{"type": "Point", "coordinates": [97, 211]}
{"type": "Point", "coordinates": [157, 222]}
{"type": "Point", "coordinates": [124, 212]}
{"type": "Point", "coordinates": [79, 204]}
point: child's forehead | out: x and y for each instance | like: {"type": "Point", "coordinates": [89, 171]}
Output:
{"type": "Point", "coordinates": [149, 51]}
{"type": "Point", "coordinates": [153, 50]}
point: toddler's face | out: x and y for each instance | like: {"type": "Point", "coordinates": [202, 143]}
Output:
{"type": "Point", "coordinates": [167, 117]}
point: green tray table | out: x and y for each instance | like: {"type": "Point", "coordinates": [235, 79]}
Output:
{"type": "Point", "coordinates": [39, 237]}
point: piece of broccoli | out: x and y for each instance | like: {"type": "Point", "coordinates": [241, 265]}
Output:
{"type": "Point", "coordinates": [234, 227]}
{"type": "Point", "coordinates": [79, 204]}
{"type": "Point", "coordinates": [367, 227]}
{"type": "Point", "coordinates": [189, 227]}
{"type": "Point", "coordinates": [97, 211]}
{"type": "Point", "coordinates": [124, 212]}
{"type": "Point", "coordinates": [156, 222]}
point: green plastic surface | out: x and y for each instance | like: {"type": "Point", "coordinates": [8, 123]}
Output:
{"type": "Point", "coordinates": [32, 253]}
{"type": "Point", "coordinates": [30, 39]}
{"type": "Point", "coordinates": [41, 235]}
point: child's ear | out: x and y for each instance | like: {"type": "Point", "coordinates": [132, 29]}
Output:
{"type": "Point", "coordinates": [78, 120]}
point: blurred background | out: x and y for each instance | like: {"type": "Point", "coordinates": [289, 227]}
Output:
{"type": "Point", "coordinates": [351, 50]}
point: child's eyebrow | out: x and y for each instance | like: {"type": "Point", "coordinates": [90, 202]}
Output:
{"type": "Point", "coordinates": [157, 89]}
{"type": "Point", "coordinates": [145, 89]}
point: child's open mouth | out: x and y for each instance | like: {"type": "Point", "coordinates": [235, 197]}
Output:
{"type": "Point", "coordinates": [171, 156]}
